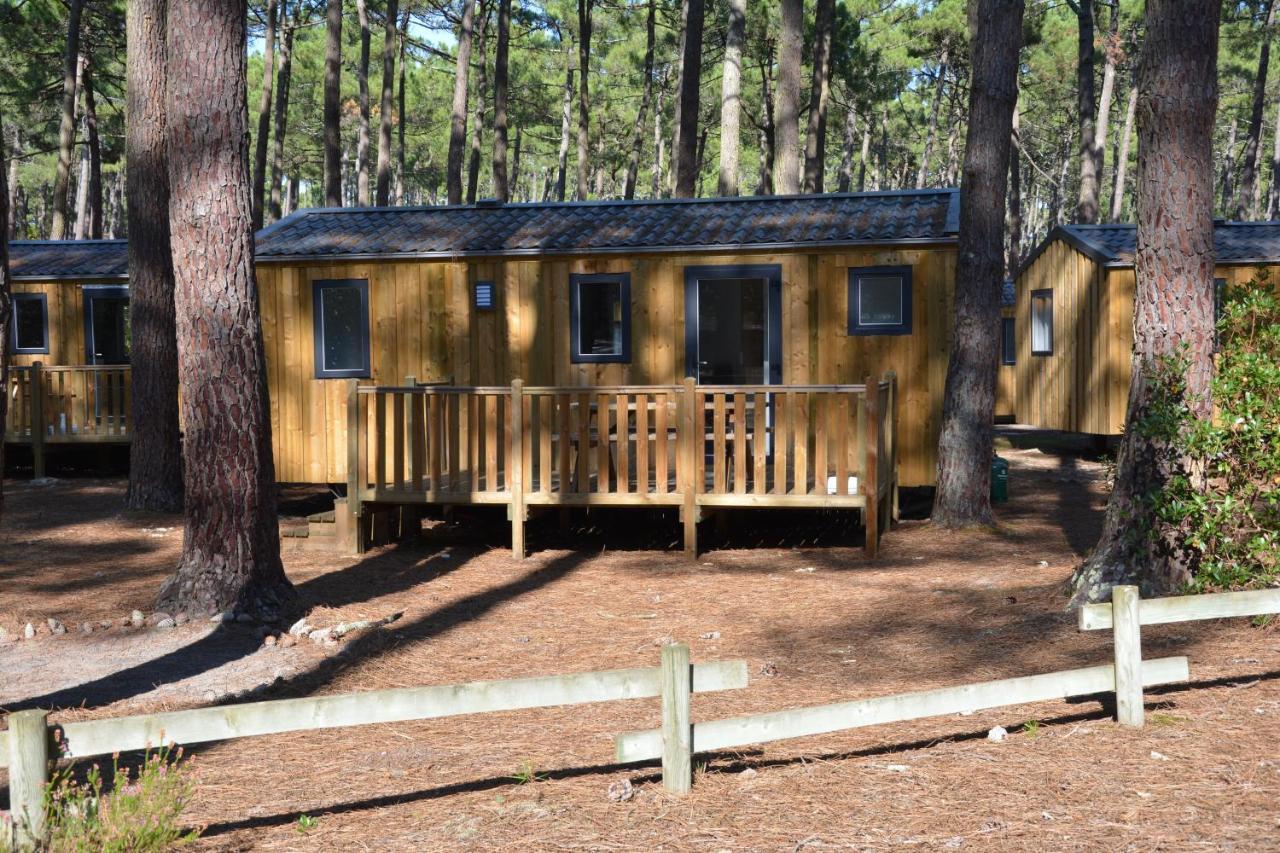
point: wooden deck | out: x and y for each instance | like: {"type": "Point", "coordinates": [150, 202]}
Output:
{"type": "Point", "coordinates": [687, 446]}
{"type": "Point", "coordinates": [67, 405]}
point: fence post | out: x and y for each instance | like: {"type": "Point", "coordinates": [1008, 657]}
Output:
{"type": "Point", "coordinates": [28, 774]}
{"type": "Point", "coordinates": [515, 469]}
{"type": "Point", "coordinates": [871, 469]}
{"type": "Point", "coordinates": [892, 376]}
{"type": "Point", "coordinates": [677, 725]}
{"type": "Point", "coordinates": [354, 474]}
{"type": "Point", "coordinates": [1126, 630]}
{"type": "Point", "coordinates": [36, 393]}
{"type": "Point", "coordinates": [687, 451]}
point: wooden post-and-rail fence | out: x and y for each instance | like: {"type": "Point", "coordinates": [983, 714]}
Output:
{"type": "Point", "coordinates": [688, 446]}
{"type": "Point", "coordinates": [67, 405]}
{"type": "Point", "coordinates": [32, 742]}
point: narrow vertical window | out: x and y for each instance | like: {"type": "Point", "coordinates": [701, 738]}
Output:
{"type": "Point", "coordinates": [1008, 342]}
{"type": "Point", "coordinates": [341, 320]}
{"type": "Point", "coordinates": [1219, 285]}
{"type": "Point", "coordinates": [1042, 322]}
{"type": "Point", "coordinates": [880, 301]}
{"type": "Point", "coordinates": [600, 325]}
{"type": "Point", "coordinates": [30, 329]}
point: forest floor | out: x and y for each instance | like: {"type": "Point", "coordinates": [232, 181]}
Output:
{"type": "Point", "coordinates": [793, 595]}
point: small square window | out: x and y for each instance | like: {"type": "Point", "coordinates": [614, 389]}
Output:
{"type": "Point", "coordinates": [341, 319]}
{"type": "Point", "coordinates": [1042, 322]}
{"type": "Point", "coordinates": [600, 327]}
{"type": "Point", "coordinates": [880, 301]}
{"type": "Point", "coordinates": [1008, 343]}
{"type": "Point", "coordinates": [30, 326]}
{"type": "Point", "coordinates": [484, 296]}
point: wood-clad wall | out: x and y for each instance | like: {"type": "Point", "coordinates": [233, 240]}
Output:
{"type": "Point", "coordinates": [65, 302]}
{"type": "Point", "coordinates": [1084, 385]}
{"type": "Point", "coordinates": [424, 324]}
{"type": "Point", "coordinates": [1006, 374]}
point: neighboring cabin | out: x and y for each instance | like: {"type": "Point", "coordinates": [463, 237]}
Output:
{"type": "Point", "coordinates": [1074, 319]}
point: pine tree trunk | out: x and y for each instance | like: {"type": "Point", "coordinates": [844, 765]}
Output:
{"type": "Point", "coordinates": [155, 455]}
{"type": "Point", "coordinates": [922, 176]}
{"type": "Point", "coordinates": [1122, 158]}
{"type": "Point", "coordinates": [262, 140]}
{"type": "Point", "coordinates": [659, 146]}
{"type": "Point", "coordinates": [1273, 197]}
{"type": "Point", "coordinates": [93, 229]}
{"type": "Point", "coordinates": [786, 112]}
{"type": "Point", "coordinates": [731, 98]}
{"type": "Point", "coordinates": [1229, 168]}
{"type": "Point", "coordinates": [1250, 158]}
{"type": "Point", "coordinates": [1111, 49]}
{"type": "Point", "coordinates": [382, 192]}
{"type": "Point", "coordinates": [863, 156]}
{"type": "Point", "coordinates": [458, 122]}
{"type": "Point", "coordinates": [846, 150]}
{"type": "Point", "coordinates": [1087, 108]}
{"type": "Point", "coordinates": [968, 407]}
{"type": "Point", "coordinates": [9, 224]}
{"type": "Point", "coordinates": [6, 304]}
{"type": "Point", "coordinates": [515, 166]}
{"type": "Point", "coordinates": [482, 96]}
{"type": "Point", "coordinates": [231, 542]}
{"type": "Point", "coordinates": [402, 177]}
{"type": "Point", "coordinates": [282, 113]}
{"type": "Point", "coordinates": [815, 150]}
{"type": "Point", "coordinates": [584, 96]}
{"type": "Point", "coordinates": [1173, 301]}
{"type": "Point", "coordinates": [768, 132]}
{"type": "Point", "coordinates": [686, 153]}
{"type": "Point", "coordinates": [637, 137]}
{"type": "Point", "coordinates": [67, 124]}
{"type": "Point", "coordinates": [566, 121]}
{"type": "Point", "coordinates": [81, 226]}
{"type": "Point", "coordinates": [1013, 256]}
{"type": "Point", "coordinates": [500, 189]}
{"type": "Point", "coordinates": [333, 105]}
{"type": "Point", "coordinates": [362, 82]}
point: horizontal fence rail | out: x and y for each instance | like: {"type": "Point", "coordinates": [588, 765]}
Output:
{"type": "Point", "coordinates": [1187, 608]}
{"type": "Point", "coordinates": [688, 446]}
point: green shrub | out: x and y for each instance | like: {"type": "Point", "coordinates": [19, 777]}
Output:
{"type": "Point", "coordinates": [140, 812]}
{"type": "Point", "coordinates": [1223, 503]}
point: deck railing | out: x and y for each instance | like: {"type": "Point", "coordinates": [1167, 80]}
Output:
{"type": "Point", "coordinates": [68, 404]}
{"type": "Point", "coordinates": [687, 445]}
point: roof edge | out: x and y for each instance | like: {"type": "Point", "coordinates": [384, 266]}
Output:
{"type": "Point", "coordinates": [1071, 237]}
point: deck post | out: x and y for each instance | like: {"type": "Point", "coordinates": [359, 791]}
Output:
{"type": "Point", "coordinates": [677, 726]}
{"type": "Point", "coordinates": [870, 469]}
{"type": "Point", "coordinates": [28, 774]}
{"type": "Point", "coordinates": [688, 446]}
{"type": "Point", "coordinates": [36, 394]}
{"type": "Point", "coordinates": [354, 510]}
{"type": "Point", "coordinates": [515, 469]}
{"type": "Point", "coordinates": [1126, 628]}
{"type": "Point", "coordinates": [892, 377]}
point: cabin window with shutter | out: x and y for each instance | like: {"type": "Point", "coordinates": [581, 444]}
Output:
{"type": "Point", "coordinates": [880, 301]}
{"type": "Point", "coordinates": [1008, 342]}
{"type": "Point", "coordinates": [1042, 322]}
{"type": "Point", "coordinates": [600, 325]}
{"type": "Point", "coordinates": [30, 329]}
{"type": "Point", "coordinates": [341, 322]}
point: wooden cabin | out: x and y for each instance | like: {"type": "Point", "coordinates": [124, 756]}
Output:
{"type": "Point", "coordinates": [805, 339]}
{"type": "Point", "coordinates": [1006, 375]}
{"type": "Point", "coordinates": [1074, 327]}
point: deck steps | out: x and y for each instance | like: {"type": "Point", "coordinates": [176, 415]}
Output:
{"type": "Point", "coordinates": [321, 532]}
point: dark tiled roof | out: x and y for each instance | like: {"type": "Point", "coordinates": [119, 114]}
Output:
{"type": "Point", "coordinates": [68, 259]}
{"type": "Point", "coordinates": [1233, 242]}
{"type": "Point", "coordinates": [614, 226]}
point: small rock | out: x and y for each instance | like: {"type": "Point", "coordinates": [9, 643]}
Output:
{"type": "Point", "coordinates": [663, 641]}
{"type": "Point", "coordinates": [621, 791]}
{"type": "Point", "coordinates": [105, 624]}
{"type": "Point", "coordinates": [55, 627]}
{"type": "Point", "coordinates": [300, 627]}
{"type": "Point", "coordinates": [807, 569]}
{"type": "Point", "coordinates": [1046, 816]}
{"type": "Point", "coordinates": [156, 618]}
{"type": "Point", "coordinates": [165, 624]}
{"type": "Point", "coordinates": [224, 616]}
{"type": "Point", "coordinates": [210, 696]}
{"type": "Point", "coordinates": [244, 618]}
{"type": "Point", "coordinates": [1159, 756]}
{"type": "Point", "coordinates": [748, 774]}
{"type": "Point", "coordinates": [137, 619]}
{"type": "Point", "coordinates": [29, 632]}
{"type": "Point", "coordinates": [124, 621]}
{"type": "Point", "coordinates": [86, 627]}
{"type": "Point", "coordinates": [897, 768]}
{"type": "Point", "coordinates": [288, 641]}
{"type": "Point", "coordinates": [711, 635]}
{"type": "Point", "coordinates": [522, 639]}
{"type": "Point", "coordinates": [770, 669]}
{"type": "Point", "coordinates": [4, 636]}
{"type": "Point", "coordinates": [269, 640]}
{"type": "Point", "coordinates": [954, 842]}
{"type": "Point", "coordinates": [181, 619]}
{"type": "Point", "coordinates": [320, 635]}
{"type": "Point", "coordinates": [997, 735]}
{"type": "Point", "coordinates": [1044, 564]}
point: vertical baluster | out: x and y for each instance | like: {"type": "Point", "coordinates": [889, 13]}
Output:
{"type": "Point", "coordinates": [759, 440]}
{"type": "Point", "coordinates": [433, 424]}
{"type": "Point", "coordinates": [840, 418]}
{"type": "Point", "coordinates": [782, 404]}
{"type": "Point", "coordinates": [622, 476]}
{"type": "Point", "coordinates": [718, 452]}
{"type": "Point", "coordinates": [454, 437]}
{"type": "Point", "coordinates": [739, 443]}
{"type": "Point", "coordinates": [490, 443]}
{"type": "Point", "coordinates": [821, 468]}
{"type": "Point", "coordinates": [603, 440]}
{"type": "Point", "coordinates": [800, 437]}
{"type": "Point", "coordinates": [126, 409]}
{"type": "Point", "coordinates": [397, 441]}
{"type": "Point", "coordinates": [379, 439]}
{"type": "Point", "coordinates": [642, 444]}
{"type": "Point", "coordinates": [583, 476]}
{"type": "Point", "coordinates": [563, 430]}
{"type": "Point", "coordinates": [660, 404]}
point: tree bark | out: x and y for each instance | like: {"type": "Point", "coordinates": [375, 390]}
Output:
{"type": "Point", "coordinates": [10, 222]}
{"type": "Point", "coordinates": [815, 144]}
{"type": "Point", "coordinates": [1273, 197]}
{"type": "Point", "coordinates": [382, 192]}
{"type": "Point", "coordinates": [500, 189]}
{"type": "Point", "coordinates": [402, 177]}
{"type": "Point", "coordinates": [863, 156]}
{"type": "Point", "coordinates": [1087, 111]}
{"type": "Point", "coordinates": [968, 408]}
{"type": "Point", "coordinates": [67, 125]}
{"type": "Point", "coordinates": [155, 454]}
{"type": "Point", "coordinates": [659, 145]}
{"type": "Point", "coordinates": [261, 141]}
{"type": "Point", "coordinates": [332, 105]}
{"type": "Point", "coordinates": [1250, 159]}
{"type": "Point", "coordinates": [1013, 256]}
{"type": "Point", "coordinates": [1229, 168]}
{"type": "Point", "coordinates": [1173, 301]}
{"type": "Point", "coordinates": [731, 98]}
{"type": "Point", "coordinates": [362, 81]}
{"type": "Point", "coordinates": [93, 191]}
{"type": "Point", "coordinates": [768, 128]}
{"type": "Point", "coordinates": [458, 122]}
{"type": "Point", "coordinates": [922, 175]}
{"type": "Point", "coordinates": [637, 136]}
{"type": "Point", "coordinates": [686, 153]}
{"type": "Point", "coordinates": [231, 541]}
{"type": "Point", "coordinates": [6, 306]}
{"type": "Point", "coordinates": [282, 112]}
{"type": "Point", "coordinates": [482, 96]}
{"type": "Point", "coordinates": [1122, 158]}
{"type": "Point", "coordinates": [584, 96]}
{"type": "Point", "coordinates": [566, 121]}
{"type": "Point", "coordinates": [846, 150]}
{"type": "Point", "coordinates": [1111, 51]}
{"type": "Point", "coordinates": [786, 112]}
{"type": "Point", "coordinates": [515, 166]}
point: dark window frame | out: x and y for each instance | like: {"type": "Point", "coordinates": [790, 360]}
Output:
{"type": "Point", "coordinates": [772, 275]}
{"type": "Point", "coordinates": [43, 299]}
{"type": "Point", "coordinates": [1044, 293]}
{"type": "Point", "coordinates": [855, 324]}
{"type": "Point", "coordinates": [317, 327]}
{"type": "Point", "coordinates": [576, 281]}
{"type": "Point", "coordinates": [487, 286]}
{"type": "Point", "coordinates": [1008, 332]}
{"type": "Point", "coordinates": [89, 293]}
